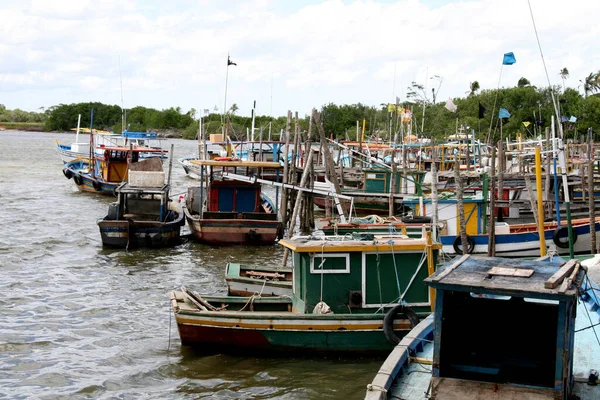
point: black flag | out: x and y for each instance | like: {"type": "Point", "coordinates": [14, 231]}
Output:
{"type": "Point", "coordinates": [481, 110]}
{"type": "Point", "coordinates": [229, 62]}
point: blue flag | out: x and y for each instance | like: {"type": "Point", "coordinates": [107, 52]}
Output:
{"type": "Point", "coordinates": [503, 113]}
{"type": "Point", "coordinates": [509, 59]}
{"type": "Point", "coordinates": [573, 119]}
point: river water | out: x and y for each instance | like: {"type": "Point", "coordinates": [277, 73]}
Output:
{"type": "Point", "coordinates": [78, 321]}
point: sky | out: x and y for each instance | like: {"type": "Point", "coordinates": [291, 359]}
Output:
{"type": "Point", "coordinates": [290, 55]}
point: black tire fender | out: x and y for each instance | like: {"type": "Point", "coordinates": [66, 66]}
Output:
{"type": "Point", "coordinates": [78, 180]}
{"type": "Point", "coordinates": [388, 321]}
{"type": "Point", "coordinates": [563, 232]}
{"type": "Point", "coordinates": [67, 173]}
{"type": "Point", "coordinates": [457, 245]}
{"type": "Point", "coordinates": [97, 186]}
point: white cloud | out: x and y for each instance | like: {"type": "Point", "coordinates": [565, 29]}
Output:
{"type": "Point", "coordinates": [332, 51]}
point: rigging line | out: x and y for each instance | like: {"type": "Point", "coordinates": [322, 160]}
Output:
{"type": "Point", "coordinates": [560, 130]}
{"type": "Point", "coordinates": [391, 243]}
{"type": "Point", "coordinates": [378, 275]}
{"type": "Point", "coordinates": [587, 311]}
{"type": "Point", "coordinates": [169, 341]}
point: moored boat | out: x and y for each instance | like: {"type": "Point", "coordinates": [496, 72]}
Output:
{"type": "Point", "coordinates": [231, 212]}
{"type": "Point", "coordinates": [533, 335]}
{"type": "Point", "coordinates": [144, 215]}
{"type": "Point", "coordinates": [109, 169]}
{"type": "Point", "coordinates": [101, 139]}
{"type": "Point", "coordinates": [349, 296]}
{"type": "Point", "coordinates": [247, 280]}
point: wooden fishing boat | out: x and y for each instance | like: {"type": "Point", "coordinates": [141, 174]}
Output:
{"type": "Point", "coordinates": [502, 329]}
{"type": "Point", "coordinates": [374, 193]}
{"type": "Point", "coordinates": [231, 212]}
{"type": "Point", "coordinates": [246, 280]}
{"type": "Point", "coordinates": [410, 226]}
{"type": "Point", "coordinates": [101, 139]}
{"type": "Point", "coordinates": [144, 215]}
{"type": "Point", "coordinates": [514, 240]}
{"type": "Point", "coordinates": [109, 169]}
{"type": "Point", "coordinates": [349, 296]}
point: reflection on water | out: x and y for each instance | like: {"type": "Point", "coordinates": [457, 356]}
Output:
{"type": "Point", "coordinates": [80, 321]}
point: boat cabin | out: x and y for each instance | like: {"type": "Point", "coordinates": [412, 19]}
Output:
{"type": "Point", "coordinates": [112, 163]}
{"type": "Point", "coordinates": [362, 274]}
{"type": "Point", "coordinates": [378, 180]}
{"type": "Point", "coordinates": [141, 203]}
{"type": "Point", "coordinates": [502, 327]}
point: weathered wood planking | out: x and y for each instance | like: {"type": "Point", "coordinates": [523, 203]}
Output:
{"type": "Point", "coordinates": [567, 282]}
{"type": "Point", "coordinates": [560, 275]}
{"type": "Point", "coordinates": [451, 268]}
{"type": "Point", "coordinates": [509, 271]}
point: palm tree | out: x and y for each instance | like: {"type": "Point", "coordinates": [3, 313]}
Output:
{"type": "Point", "coordinates": [564, 74]}
{"type": "Point", "coordinates": [233, 109]}
{"type": "Point", "coordinates": [474, 87]}
{"type": "Point", "coordinates": [591, 83]}
{"type": "Point", "coordinates": [523, 82]}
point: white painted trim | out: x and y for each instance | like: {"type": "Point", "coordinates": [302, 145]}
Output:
{"type": "Point", "coordinates": [331, 271]}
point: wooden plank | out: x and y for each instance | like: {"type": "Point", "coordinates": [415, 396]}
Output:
{"type": "Point", "coordinates": [567, 282]}
{"type": "Point", "coordinates": [560, 275]}
{"type": "Point", "coordinates": [451, 268]}
{"type": "Point", "coordinates": [509, 271]}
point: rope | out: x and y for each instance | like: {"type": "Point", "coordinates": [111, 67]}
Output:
{"type": "Point", "coordinates": [391, 243]}
{"type": "Point", "coordinates": [587, 311]}
{"type": "Point", "coordinates": [169, 341]}
{"type": "Point", "coordinates": [378, 275]}
{"type": "Point", "coordinates": [321, 268]}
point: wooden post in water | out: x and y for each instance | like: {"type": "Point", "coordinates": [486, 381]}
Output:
{"type": "Point", "coordinates": [538, 180]}
{"type": "Point", "coordinates": [501, 168]}
{"type": "Point", "coordinates": [329, 166]}
{"type": "Point", "coordinates": [547, 162]}
{"type": "Point", "coordinates": [532, 201]}
{"type": "Point", "coordinates": [591, 199]}
{"type": "Point", "coordinates": [308, 220]}
{"type": "Point", "coordinates": [460, 206]}
{"type": "Point", "coordinates": [492, 221]}
{"type": "Point", "coordinates": [284, 192]}
{"type": "Point", "coordinates": [393, 173]}
{"type": "Point", "coordinates": [299, 197]}
{"type": "Point", "coordinates": [434, 196]}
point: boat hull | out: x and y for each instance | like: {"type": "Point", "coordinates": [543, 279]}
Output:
{"type": "Point", "coordinates": [129, 234]}
{"type": "Point", "coordinates": [233, 231]}
{"type": "Point", "coordinates": [525, 244]}
{"type": "Point", "coordinates": [287, 332]}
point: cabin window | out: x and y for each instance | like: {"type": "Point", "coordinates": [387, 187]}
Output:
{"type": "Point", "coordinates": [330, 264]}
{"type": "Point", "coordinates": [498, 340]}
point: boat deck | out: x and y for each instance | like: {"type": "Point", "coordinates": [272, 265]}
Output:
{"type": "Point", "coordinates": [413, 383]}
{"type": "Point", "coordinates": [414, 378]}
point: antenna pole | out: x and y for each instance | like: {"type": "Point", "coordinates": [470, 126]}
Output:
{"type": "Point", "coordinates": [122, 106]}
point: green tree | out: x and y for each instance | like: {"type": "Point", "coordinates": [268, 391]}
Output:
{"type": "Point", "coordinates": [523, 82]}
{"type": "Point", "coordinates": [564, 74]}
{"type": "Point", "coordinates": [473, 87]}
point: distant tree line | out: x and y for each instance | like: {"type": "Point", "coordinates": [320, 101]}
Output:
{"type": "Point", "coordinates": [531, 110]}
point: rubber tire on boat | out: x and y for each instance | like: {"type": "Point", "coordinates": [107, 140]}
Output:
{"type": "Point", "coordinates": [558, 233]}
{"type": "Point", "coordinates": [67, 173]}
{"type": "Point", "coordinates": [388, 322]}
{"type": "Point", "coordinates": [457, 244]}
{"type": "Point", "coordinates": [416, 220]}
{"type": "Point", "coordinates": [97, 186]}
{"type": "Point", "coordinates": [77, 179]}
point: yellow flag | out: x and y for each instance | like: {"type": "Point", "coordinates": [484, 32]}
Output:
{"type": "Point", "coordinates": [526, 123]}
{"type": "Point", "coordinates": [391, 108]}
